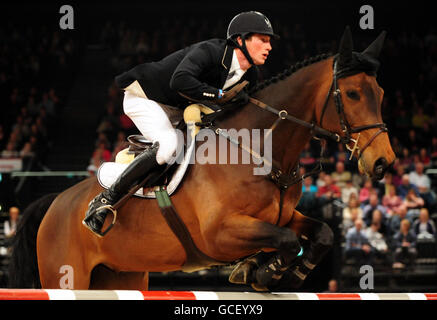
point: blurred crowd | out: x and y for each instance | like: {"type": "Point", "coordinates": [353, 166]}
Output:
{"type": "Point", "coordinates": [36, 68]}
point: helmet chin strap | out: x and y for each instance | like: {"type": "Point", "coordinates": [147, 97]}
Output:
{"type": "Point", "coordinates": [243, 48]}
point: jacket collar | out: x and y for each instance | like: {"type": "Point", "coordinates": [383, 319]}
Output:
{"type": "Point", "coordinates": [226, 63]}
{"type": "Point", "coordinates": [227, 57]}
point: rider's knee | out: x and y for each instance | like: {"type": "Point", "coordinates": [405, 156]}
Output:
{"type": "Point", "coordinates": [168, 143]}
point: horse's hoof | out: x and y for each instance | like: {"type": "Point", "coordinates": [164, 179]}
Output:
{"type": "Point", "coordinates": [258, 287]}
{"type": "Point", "coordinates": [242, 273]}
{"type": "Point", "coordinates": [271, 272]}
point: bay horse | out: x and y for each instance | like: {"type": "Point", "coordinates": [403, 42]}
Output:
{"type": "Point", "coordinates": [230, 213]}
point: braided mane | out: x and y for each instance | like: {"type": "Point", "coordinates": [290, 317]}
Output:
{"type": "Point", "coordinates": [289, 71]}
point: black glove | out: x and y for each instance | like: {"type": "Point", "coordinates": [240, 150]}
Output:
{"type": "Point", "coordinates": [241, 99]}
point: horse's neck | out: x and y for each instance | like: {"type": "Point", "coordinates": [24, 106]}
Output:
{"type": "Point", "coordinates": [300, 94]}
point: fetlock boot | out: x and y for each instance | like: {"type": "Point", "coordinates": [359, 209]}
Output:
{"type": "Point", "coordinates": [101, 205]}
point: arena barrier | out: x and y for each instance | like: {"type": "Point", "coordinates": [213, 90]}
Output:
{"type": "Point", "coordinates": [58, 294]}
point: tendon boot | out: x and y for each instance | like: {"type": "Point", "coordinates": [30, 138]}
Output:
{"type": "Point", "coordinates": [101, 205]}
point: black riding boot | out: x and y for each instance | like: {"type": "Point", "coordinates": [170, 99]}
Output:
{"type": "Point", "coordinates": [101, 205]}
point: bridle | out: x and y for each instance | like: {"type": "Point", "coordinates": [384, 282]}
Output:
{"type": "Point", "coordinates": [347, 130]}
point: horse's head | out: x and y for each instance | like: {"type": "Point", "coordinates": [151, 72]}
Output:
{"type": "Point", "coordinates": [357, 113]}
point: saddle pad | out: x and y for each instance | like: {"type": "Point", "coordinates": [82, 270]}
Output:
{"type": "Point", "coordinates": [110, 171]}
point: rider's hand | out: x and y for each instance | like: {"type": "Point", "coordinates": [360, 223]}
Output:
{"type": "Point", "coordinates": [240, 99]}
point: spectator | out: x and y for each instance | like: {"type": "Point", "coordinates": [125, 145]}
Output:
{"type": "Point", "coordinates": [381, 220]}
{"type": "Point", "coordinates": [332, 286]}
{"type": "Point", "coordinates": [340, 175]}
{"type": "Point", "coordinates": [348, 191]}
{"type": "Point", "coordinates": [306, 157]}
{"type": "Point", "coordinates": [101, 154]}
{"type": "Point", "coordinates": [365, 192]}
{"type": "Point", "coordinates": [320, 181]}
{"type": "Point", "coordinates": [423, 184]}
{"type": "Point", "coordinates": [330, 190]}
{"type": "Point", "coordinates": [397, 177]}
{"type": "Point", "coordinates": [419, 178]}
{"type": "Point", "coordinates": [404, 245]}
{"type": "Point", "coordinates": [10, 225]}
{"type": "Point", "coordinates": [406, 186]}
{"type": "Point", "coordinates": [424, 227]}
{"type": "Point", "coordinates": [377, 240]}
{"type": "Point", "coordinates": [392, 201]}
{"type": "Point", "coordinates": [413, 203]}
{"type": "Point", "coordinates": [395, 220]}
{"type": "Point", "coordinates": [371, 206]}
{"type": "Point", "coordinates": [10, 151]}
{"type": "Point", "coordinates": [120, 144]}
{"type": "Point", "coordinates": [308, 200]}
{"type": "Point", "coordinates": [351, 213]}
{"type": "Point", "coordinates": [357, 244]}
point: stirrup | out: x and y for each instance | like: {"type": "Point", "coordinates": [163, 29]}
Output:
{"type": "Point", "coordinates": [101, 234]}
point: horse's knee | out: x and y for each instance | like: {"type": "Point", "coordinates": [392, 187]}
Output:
{"type": "Point", "coordinates": [288, 243]}
{"type": "Point", "coordinates": [321, 244]}
{"type": "Point", "coordinates": [325, 236]}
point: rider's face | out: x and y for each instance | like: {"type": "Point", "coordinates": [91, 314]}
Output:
{"type": "Point", "coordinates": [258, 46]}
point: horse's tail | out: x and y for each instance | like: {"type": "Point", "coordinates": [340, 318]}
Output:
{"type": "Point", "coordinates": [23, 266]}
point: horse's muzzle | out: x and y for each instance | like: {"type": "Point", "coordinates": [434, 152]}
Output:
{"type": "Point", "coordinates": [380, 167]}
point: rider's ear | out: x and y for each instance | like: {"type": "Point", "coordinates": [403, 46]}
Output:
{"type": "Point", "coordinates": [375, 48]}
{"type": "Point", "coordinates": [239, 40]}
{"type": "Point", "coordinates": [346, 47]}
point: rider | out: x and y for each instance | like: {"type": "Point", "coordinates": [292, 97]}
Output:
{"type": "Point", "coordinates": [200, 72]}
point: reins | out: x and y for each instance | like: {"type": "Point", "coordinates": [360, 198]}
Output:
{"type": "Point", "coordinates": [285, 180]}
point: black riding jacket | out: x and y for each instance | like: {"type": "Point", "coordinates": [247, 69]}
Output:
{"type": "Point", "coordinates": [197, 71]}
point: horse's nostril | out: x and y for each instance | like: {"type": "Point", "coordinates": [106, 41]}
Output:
{"type": "Point", "coordinates": [380, 168]}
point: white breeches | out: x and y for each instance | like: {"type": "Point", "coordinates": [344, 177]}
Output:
{"type": "Point", "coordinates": [153, 123]}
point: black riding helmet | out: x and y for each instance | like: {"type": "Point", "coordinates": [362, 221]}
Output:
{"type": "Point", "coordinates": [245, 24]}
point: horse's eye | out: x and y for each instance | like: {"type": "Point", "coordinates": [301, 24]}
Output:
{"type": "Point", "coordinates": [353, 94]}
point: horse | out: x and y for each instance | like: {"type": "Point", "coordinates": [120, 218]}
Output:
{"type": "Point", "coordinates": [231, 214]}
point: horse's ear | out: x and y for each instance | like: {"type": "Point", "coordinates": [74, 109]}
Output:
{"type": "Point", "coordinates": [375, 48]}
{"type": "Point", "coordinates": [346, 47]}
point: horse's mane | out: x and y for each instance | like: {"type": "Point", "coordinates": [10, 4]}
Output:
{"type": "Point", "coordinates": [289, 71]}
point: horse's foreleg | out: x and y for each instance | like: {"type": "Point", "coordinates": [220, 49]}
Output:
{"type": "Point", "coordinates": [245, 233]}
{"type": "Point", "coordinates": [320, 238]}
{"type": "Point", "coordinates": [248, 233]}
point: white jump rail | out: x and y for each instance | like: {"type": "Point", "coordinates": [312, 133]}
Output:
{"type": "Point", "coordinates": [58, 294]}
